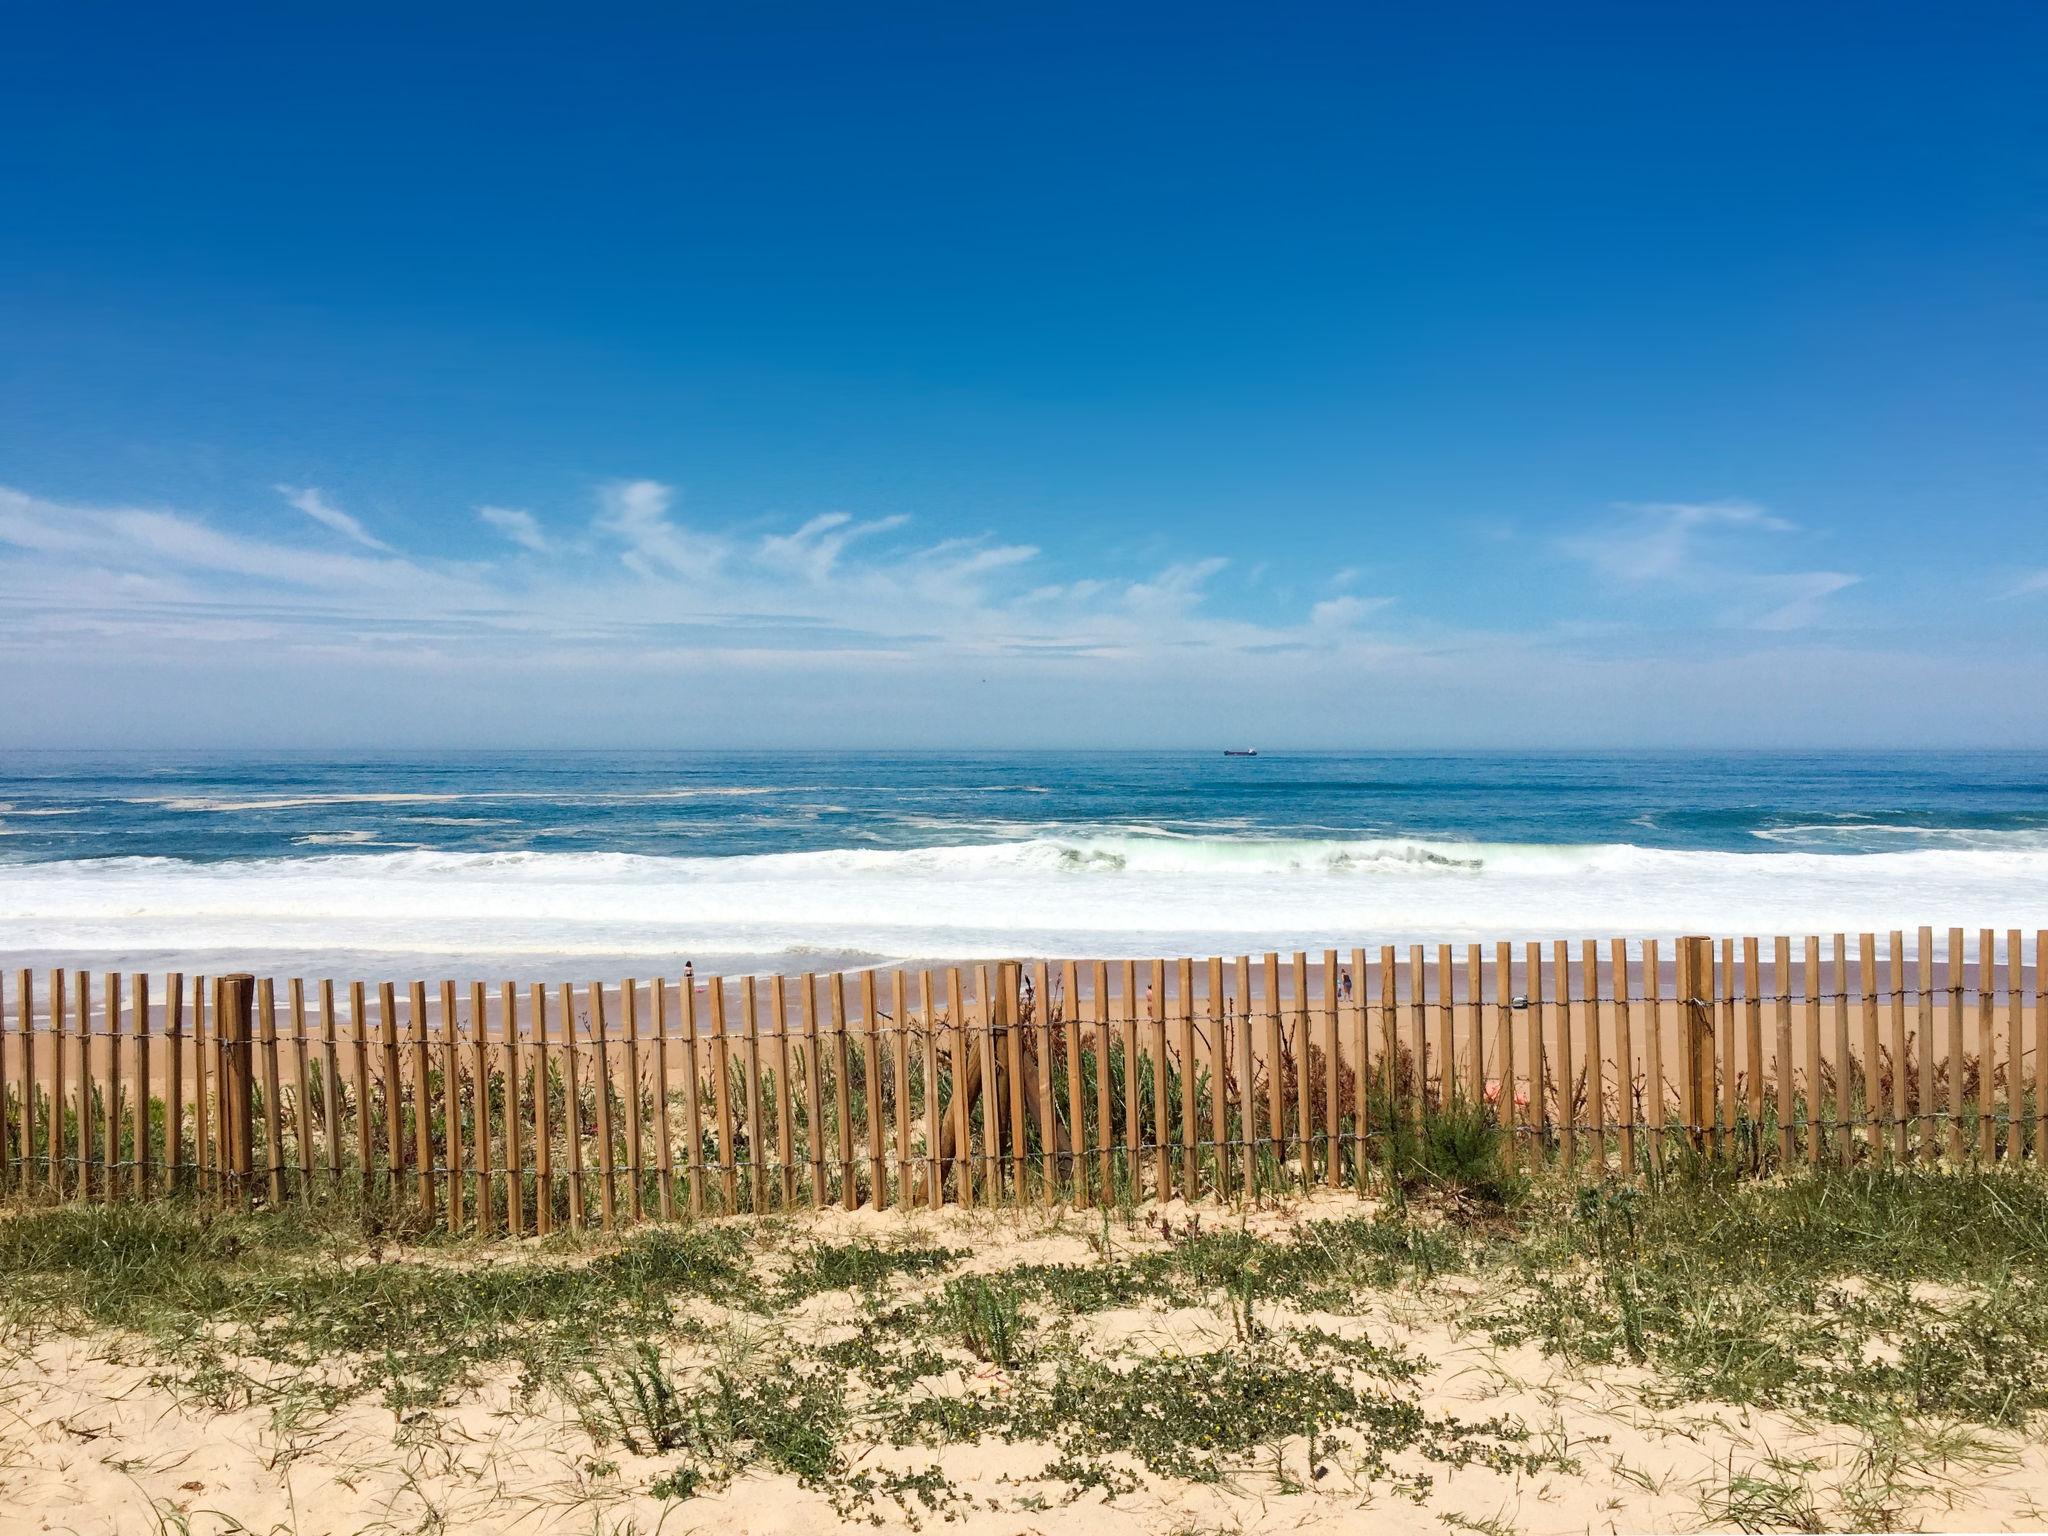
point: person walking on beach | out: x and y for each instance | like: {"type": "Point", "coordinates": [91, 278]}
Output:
{"type": "Point", "coordinates": [1344, 984]}
{"type": "Point", "coordinates": [690, 975]}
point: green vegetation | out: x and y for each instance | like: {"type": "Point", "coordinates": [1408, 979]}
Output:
{"type": "Point", "coordinates": [1906, 1307]}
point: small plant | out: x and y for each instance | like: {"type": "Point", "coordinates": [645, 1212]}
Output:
{"type": "Point", "coordinates": [642, 1409]}
{"type": "Point", "coordinates": [988, 1319]}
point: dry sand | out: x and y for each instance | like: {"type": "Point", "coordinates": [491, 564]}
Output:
{"type": "Point", "coordinates": [92, 1441]}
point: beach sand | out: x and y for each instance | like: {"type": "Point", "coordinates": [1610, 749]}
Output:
{"type": "Point", "coordinates": [94, 1438]}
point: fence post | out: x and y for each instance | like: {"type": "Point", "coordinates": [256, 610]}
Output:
{"type": "Point", "coordinates": [1696, 1032]}
{"type": "Point", "coordinates": [236, 1107]}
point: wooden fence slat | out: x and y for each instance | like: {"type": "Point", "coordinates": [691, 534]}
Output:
{"type": "Point", "coordinates": [842, 1085]}
{"type": "Point", "coordinates": [422, 1101]}
{"type": "Point", "coordinates": [1298, 1033]}
{"type": "Point", "coordinates": [1624, 1051]}
{"type": "Point", "coordinates": [693, 1094]}
{"type": "Point", "coordinates": [1810, 980]}
{"type": "Point", "coordinates": [387, 1071]}
{"type": "Point", "coordinates": [1361, 1074]}
{"type": "Point", "coordinates": [960, 1052]}
{"type": "Point", "coordinates": [1390, 1031]}
{"type": "Point", "coordinates": [1930, 1130]}
{"type": "Point", "coordinates": [2041, 1048]}
{"type": "Point", "coordinates": [1845, 1136]}
{"type": "Point", "coordinates": [1418, 1017]}
{"type": "Point", "coordinates": [1155, 1035]}
{"type": "Point", "coordinates": [515, 1151]}
{"type": "Point", "coordinates": [60, 1023]}
{"type": "Point", "coordinates": [636, 1141]}
{"type": "Point", "coordinates": [451, 1108]}
{"type": "Point", "coordinates": [1504, 1004]}
{"type": "Point", "coordinates": [543, 1114]}
{"type": "Point", "coordinates": [721, 1096]}
{"type": "Point", "coordinates": [1782, 1056]}
{"type": "Point", "coordinates": [1276, 1105]}
{"type": "Point", "coordinates": [933, 1121]}
{"type": "Point", "coordinates": [6, 1098]}
{"type": "Point", "coordinates": [2015, 1009]}
{"type": "Point", "coordinates": [1876, 1112]}
{"type": "Point", "coordinates": [1900, 1123]}
{"type": "Point", "coordinates": [1446, 1012]}
{"type": "Point", "coordinates": [84, 1124]}
{"type": "Point", "coordinates": [750, 1083]}
{"type": "Point", "coordinates": [25, 1003]}
{"type": "Point", "coordinates": [1333, 1171]}
{"type": "Point", "coordinates": [1567, 1073]}
{"type": "Point", "coordinates": [814, 1125]}
{"type": "Point", "coordinates": [273, 1096]}
{"type": "Point", "coordinates": [1215, 1017]}
{"type": "Point", "coordinates": [664, 1084]}
{"type": "Point", "coordinates": [202, 1087]}
{"type": "Point", "coordinates": [1184, 1017]}
{"type": "Point", "coordinates": [144, 1129]}
{"type": "Point", "coordinates": [480, 1116]}
{"type": "Point", "coordinates": [174, 1082]}
{"type": "Point", "coordinates": [1987, 1051]}
{"type": "Point", "coordinates": [1077, 1109]}
{"type": "Point", "coordinates": [302, 1084]}
{"type": "Point", "coordinates": [1539, 1098]}
{"type": "Point", "coordinates": [359, 1044]}
{"type": "Point", "coordinates": [572, 1109]}
{"type": "Point", "coordinates": [110, 1096]}
{"type": "Point", "coordinates": [1957, 971]}
{"type": "Point", "coordinates": [785, 1133]}
{"type": "Point", "coordinates": [1475, 1023]}
{"type": "Point", "coordinates": [1039, 1051]}
{"type": "Point", "coordinates": [1655, 1120]}
{"type": "Point", "coordinates": [607, 1147]}
{"type": "Point", "coordinates": [1105, 1131]}
{"type": "Point", "coordinates": [899, 1003]}
{"type": "Point", "coordinates": [1248, 1176]}
{"type": "Point", "coordinates": [1596, 1089]}
{"type": "Point", "coordinates": [1005, 1005]}
{"type": "Point", "coordinates": [332, 1104]}
{"type": "Point", "coordinates": [871, 1090]}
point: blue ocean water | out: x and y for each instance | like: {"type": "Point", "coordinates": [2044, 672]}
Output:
{"type": "Point", "coordinates": [789, 859]}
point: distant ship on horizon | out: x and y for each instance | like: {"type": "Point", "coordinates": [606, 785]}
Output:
{"type": "Point", "coordinates": [1240, 751]}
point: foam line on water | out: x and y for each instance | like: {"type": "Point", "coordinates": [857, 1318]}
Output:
{"type": "Point", "coordinates": [1105, 895]}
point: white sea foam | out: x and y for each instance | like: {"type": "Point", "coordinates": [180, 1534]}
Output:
{"type": "Point", "coordinates": [1105, 895]}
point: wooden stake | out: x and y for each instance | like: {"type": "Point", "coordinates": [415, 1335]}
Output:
{"type": "Point", "coordinates": [636, 1168]}
{"type": "Point", "coordinates": [814, 1127]}
{"type": "Point", "coordinates": [871, 1073]}
{"type": "Point", "coordinates": [480, 1071]}
{"type": "Point", "coordinates": [664, 1082]}
{"type": "Point", "coordinates": [1077, 1109]}
{"type": "Point", "coordinates": [785, 1126]}
{"type": "Point", "coordinates": [273, 1097]}
{"type": "Point", "coordinates": [572, 1110]}
{"type": "Point", "coordinates": [543, 1115]}
{"type": "Point", "coordinates": [515, 1153]}
{"type": "Point", "coordinates": [422, 1102]}
{"type": "Point", "coordinates": [721, 1096]}
{"type": "Point", "coordinates": [607, 1147]}
{"type": "Point", "coordinates": [693, 1094]}
{"type": "Point", "coordinates": [302, 1097]}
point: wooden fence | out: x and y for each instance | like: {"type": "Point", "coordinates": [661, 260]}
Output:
{"type": "Point", "coordinates": [523, 1109]}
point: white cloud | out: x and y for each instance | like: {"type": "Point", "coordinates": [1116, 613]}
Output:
{"type": "Point", "coordinates": [636, 513]}
{"type": "Point", "coordinates": [1652, 540]}
{"type": "Point", "coordinates": [814, 549]}
{"type": "Point", "coordinates": [517, 526]}
{"type": "Point", "coordinates": [314, 505]}
{"type": "Point", "coordinates": [1717, 554]}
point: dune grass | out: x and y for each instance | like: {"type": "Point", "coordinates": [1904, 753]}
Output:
{"type": "Point", "coordinates": [1904, 1307]}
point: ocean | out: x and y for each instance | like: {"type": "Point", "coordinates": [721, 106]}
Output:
{"type": "Point", "coordinates": [574, 865]}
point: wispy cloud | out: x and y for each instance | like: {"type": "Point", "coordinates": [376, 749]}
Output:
{"type": "Point", "coordinates": [829, 585]}
{"type": "Point", "coordinates": [1653, 540]}
{"type": "Point", "coordinates": [1719, 554]}
{"type": "Point", "coordinates": [309, 501]}
{"type": "Point", "coordinates": [520, 527]}
{"type": "Point", "coordinates": [635, 512]}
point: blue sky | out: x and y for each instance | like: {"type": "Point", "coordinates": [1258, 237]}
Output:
{"type": "Point", "coordinates": [775, 374]}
